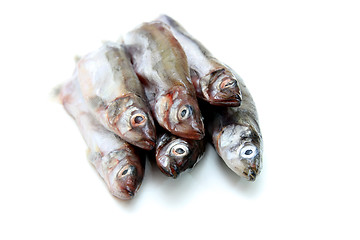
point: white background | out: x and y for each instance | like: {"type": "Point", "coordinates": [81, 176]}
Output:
{"type": "Point", "coordinates": [300, 60]}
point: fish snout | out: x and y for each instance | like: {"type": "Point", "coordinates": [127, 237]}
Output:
{"type": "Point", "coordinates": [147, 144]}
{"type": "Point", "coordinates": [163, 163]}
{"type": "Point", "coordinates": [168, 166]}
{"type": "Point", "coordinates": [174, 170]}
{"type": "Point", "coordinates": [130, 181]}
{"type": "Point", "coordinates": [252, 175]}
{"type": "Point", "coordinates": [146, 137]}
{"type": "Point", "coordinates": [199, 134]}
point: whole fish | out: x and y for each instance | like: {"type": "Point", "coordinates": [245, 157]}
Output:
{"type": "Point", "coordinates": [214, 81]}
{"type": "Point", "coordinates": [161, 65]}
{"type": "Point", "coordinates": [118, 162]}
{"type": "Point", "coordinates": [236, 135]}
{"type": "Point", "coordinates": [174, 154]}
{"type": "Point", "coordinates": [115, 96]}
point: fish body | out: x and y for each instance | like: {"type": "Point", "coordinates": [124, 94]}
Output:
{"type": "Point", "coordinates": [214, 81]}
{"type": "Point", "coordinates": [118, 162]}
{"type": "Point", "coordinates": [115, 96]}
{"type": "Point", "coordinates": [161, 65]}
{"type": "Point", "coordinates": [174, 154]}
{"type": "Point", "coordinates": [236, 135]}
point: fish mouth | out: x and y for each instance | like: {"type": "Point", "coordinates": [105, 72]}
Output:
{"type": "Point", "coordinates": [147, 144]}
{"type": "Point", "coordinates": [171, 171]}
{"type": "Point", "coordinates": [198, 135]}
{"type": "Point", "coordinates": [168, 167]}
{"type": "Point", "coordinates": [129, 192]}
{"type": "Point", "coordinates": [252, 175]}
{"type": "Point", "coordinates": [235, 101]}
{"type": "Point", "coordinates": [174, 170]}
{"type": "Point", "coordinates": [125, 193]}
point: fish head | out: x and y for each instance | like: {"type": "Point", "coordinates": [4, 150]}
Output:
{"type": "Point", "coordinates": [179, 113]}
{"type": "Point", "coordinates": [240, 148]}
{"type": "Point", "coordinates": [175, 155]}
{"type": "Point", "coordinates": [223, 89]}
{"type": "Point", "coordinates": [135, 124]}
{"type": "Point", "coordinates": [126, 175]}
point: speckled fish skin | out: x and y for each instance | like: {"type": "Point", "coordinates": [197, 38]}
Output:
{"type": "Point", "coordinates": [214, 81]}
{"type": "Point", "coordinates": [115, 96]}
{"type": "Point", "coordinates": [175, 155]}
{"type": "Point", "coordinates": [118, 162]}
{"type": "Point", "coordinates": [161, 65]}
{"type": "Point", "coordinates": [236, 135]}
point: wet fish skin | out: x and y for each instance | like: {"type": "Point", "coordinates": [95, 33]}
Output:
{"type": "Point", "coordinates": [175, 155]}
{"type": "Point", "coordinates": [236, 135]}
{"type": "Point", "coordinates": [119, 163]}
{"type": "Point", "coordinates": [115, 96]}
{"type": "Point", "coordinates": [162, 67]}
{"type": "Point", "coordinates": [214, 81]}
{"type": "Point", "coordinates": [122, 170]}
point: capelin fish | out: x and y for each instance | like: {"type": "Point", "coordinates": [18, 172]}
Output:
{"type": "Point", "coordinates": [214, 81]}
{"type": "Point", "coordinates": [115, 96]}
{"type": "Point", "coordinates": [161, 65]}
{"type": "Point", "coordinates": [174, 154]}
{"type": "Point", "coordinates": [118, 162]}
{"type": "Point", "coordinates": [236, 135]}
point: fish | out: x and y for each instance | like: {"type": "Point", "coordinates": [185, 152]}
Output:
{"type": "Point", "coordinates": [236, 135]}
{"type": "Point", "coordinates": [115, 95]}
{"type": "Point", "coordinates": [120, 164]}
{"type": "Point", "coordinates": [161, 65]}
{"type": "Point", "coordinates": [175, 155]}
{"type": "Point", "coordinates": [213, 80]}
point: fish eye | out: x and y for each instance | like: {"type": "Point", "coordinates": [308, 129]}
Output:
{"type": "Point", "coordinates": [248, 151]}
{"type": "Point", "coordinates": [179, 150]}
{"type": "Point", "coordinates": [138, 120]}
{"type": "Point", "coordinates": [227, 83]}
{"type": "Point", "coordinates": [185, 112]}
{"type": "Point", "coordinates": [128, 169]}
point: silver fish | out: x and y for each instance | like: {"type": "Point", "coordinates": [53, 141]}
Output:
{"type": "Point", "coordinates": [236, 135]}
{"type": "Point", "coordinates": [161, 65]}
{"type": "Point", "coordinates": [175, 155]}
{"type": "Point", "coordinates": [214, 81]}
{"type": "Point", "coordinates": [115, 96]}
{"type": "Point", "coordinates": [118, 162]}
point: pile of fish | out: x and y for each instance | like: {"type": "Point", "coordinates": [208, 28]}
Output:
{"type": "Point", "coordinates": [154, 94]}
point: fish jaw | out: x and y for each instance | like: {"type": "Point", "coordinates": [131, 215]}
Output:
{"type": "Point", "coordinates": [167, 166]}
{"type": "Point", "coordinates": [130, 118]}
{"type": "Point", "coordinates": [179, 113]}
{"type": "Point", "coordinates": [240, 148]}
{"type": "Point", "coordinates": [222, 90]}
{"type": "Point", "coordinates": [124, 174]}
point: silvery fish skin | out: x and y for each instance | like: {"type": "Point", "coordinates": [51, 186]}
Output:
{"type": "Point", "coordinates": [174, 154]}
{"type": "Point", "coordinates": [118, 162]}
{"type": "Point", "coordinates": [115, 96]}
{"type": "Point", "coordinates": [236, 135]}
{"type": "Point", "coordinates": [161, 65]}
{"type": "Point", "coordinates": [214, 81]}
